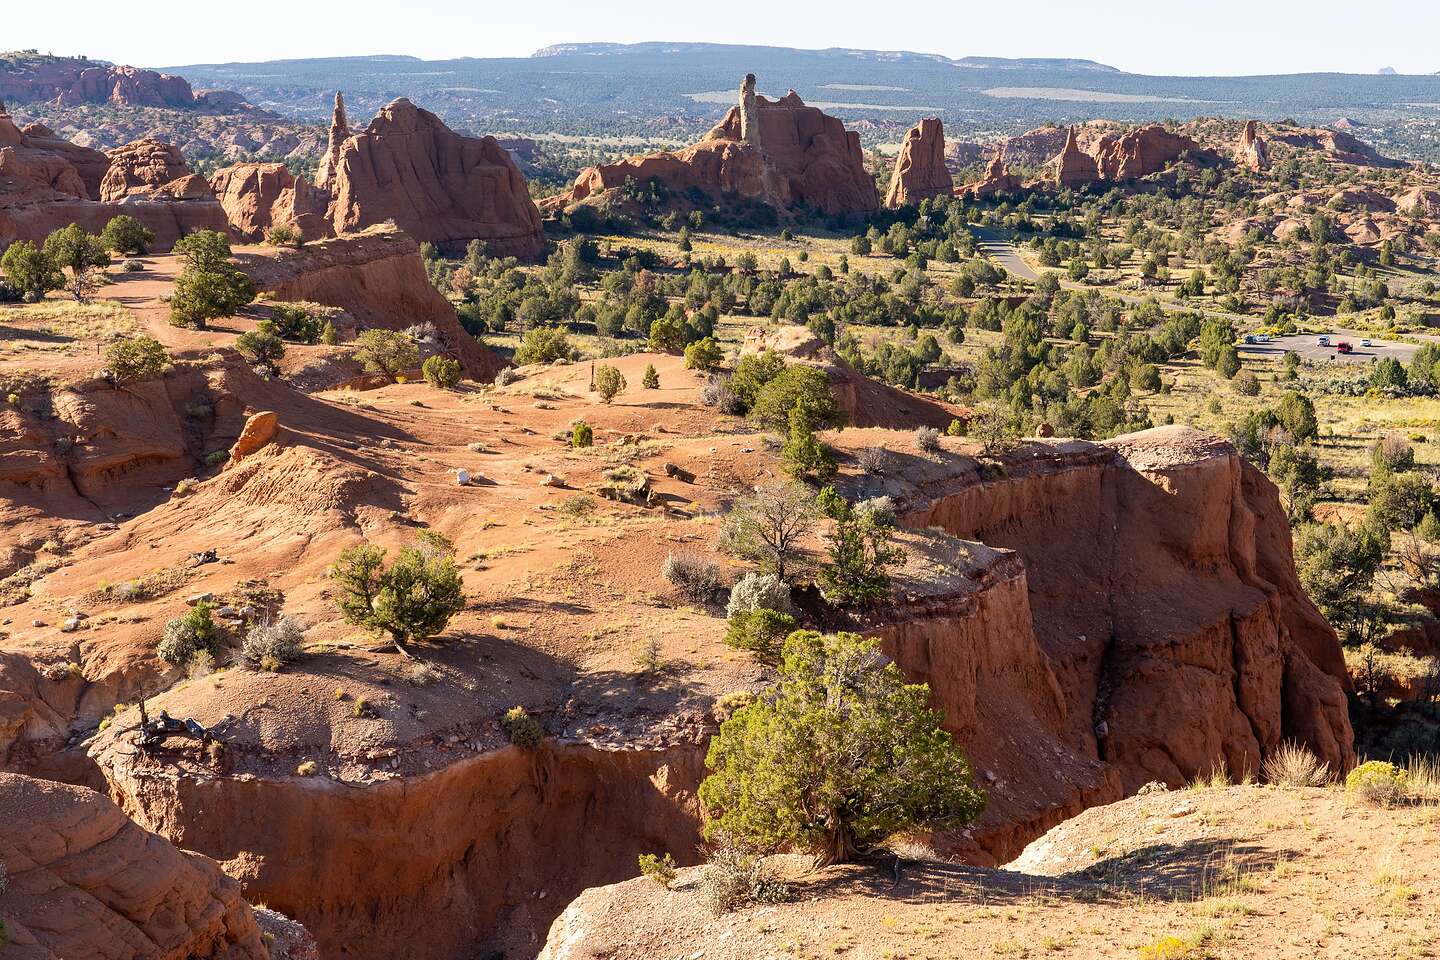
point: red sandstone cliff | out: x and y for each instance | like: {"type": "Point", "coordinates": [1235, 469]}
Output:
{"type": "Point", "coordinates": [920, 170]}
{"type": "Point", "coordinates": [86, 882]}
{"type": "Point", "coordinates": [1115, 158]}
{"type": "Point", "coordinates": [259, 196]}
{"type": "Point", "coordinates": [377, 276]}
{"type": "Point", "coordinates": [778, 152]}
{"type": "Point", "coordinates": [437, 186]}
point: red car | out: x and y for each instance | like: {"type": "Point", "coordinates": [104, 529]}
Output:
{"type": "Point", "coordinates": [1343, 347]}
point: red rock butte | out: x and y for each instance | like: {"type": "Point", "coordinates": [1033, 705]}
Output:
{"type": "Point", "coordinates": [920, 171]}
{"type": "Point", "coordinates": [779, 152]}
{"type": "Point", "coordinates": [408, 167]}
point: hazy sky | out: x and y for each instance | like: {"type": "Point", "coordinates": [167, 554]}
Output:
{"type": "Point", "coordinates": [1199, 37]}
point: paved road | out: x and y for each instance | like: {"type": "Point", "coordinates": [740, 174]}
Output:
{"type": "Point", "coordinates": [1307, 346]}
{"type": "Point", "coordinates": [995, 245]}
{"type": "Point", "coordinates": [992, 243]}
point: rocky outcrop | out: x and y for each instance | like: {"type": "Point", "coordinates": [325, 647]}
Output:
{"type": "Point", "coordinates": [28, 79]}
{"type": "Point", "coordinates": [1421, 201]}
{"type": "Point", "coordinates": [997, 180]}
{"type": "Point", "coordinates": [1074, 167]}
{"type": "Point", "coordinates": [1117, 158]}
{"type": "Point", "coordinates": [1339, 145]}
{"type": "Point", "coordinates": [468, 851]}
{"type": "Point", "coordinates": [339, 133]}
{"type": "Point", "coordinates": [377, 276]}
{"type": "Point", "coordinates": [147, 168]}
{"type": "Point", "coordinates": [1250, 152]}
{"type": "Point", "coordinates": [780, 152]}
{"type": "Point", "coordinates": [1163, 594]}
{"type": "Point", "coordinates": [260, 428]}
{"type": "Point", "coordinates": [407, 167]}
{"type": "Point", "coordinates": [259, 196]}
{"type": "Point", "coordinates": [47, 183]}
{"type": "Point", "coordinates": [920, 171]}
{"type": "Point", "coordinates": [87, 882]}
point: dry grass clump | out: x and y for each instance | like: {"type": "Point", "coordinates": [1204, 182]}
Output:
{"type": "Point", "coordinates": [1292, 765]}
{"type": "Point", "coordinates": [735, 877]}
{"type": "Point", "coordinates": [696, 578]}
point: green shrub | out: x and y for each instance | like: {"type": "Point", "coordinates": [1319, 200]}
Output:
{"type": "Point", "coordinates": [795, 386]}
{"type": "Point", "coordinates": [386, 352]}
{"type": "Point", "coordinates": [609, 382]}
{"type": "Point", "coordinates": [760, 631]}
{"type": "Point", "coordinates": [124, 234]}
{"type": "Point", "coordinates": [543, 344]}
{"type": "Point", "coordinates": [283, 235]}
{"type": "Point", "coordinates": [758, 591]}
{"type": "Point", "coordinates": [650, 380]}
{"type": "Point", "coordinates": [216, 457]}
{"type": "Point", "coordinates": [524, 730]}
{"type": "Point", "coordinates": [659, 869]}
{"type": "Point", "coordinates": [71, 248]}
{"type": "Point", "coordinates": [328, 335]}
{"type": "Point", "coordinates": [30, 270]}
{"type": "Point", "coordinates": [412, 599]}
{"type": "Point", "coordinates": [803, 455]}
{"type": "Point", "coordinates": [581, 435]}
{"type": "Point", "coordinates": [1375, 781]}
{"type": "Point", "coordinates": [441, 371]}
{"type": "Point", "coordinates": [860, 552]}
{"type": "Point", "coordinates": [136, 358]}
{"type": "Point", "coordinates": [210, 285]}
{"type": "Point", "coordinates": [186, 636]}
{"type": "Point", "coordinates": [294, 322]}
{"type": "Point", "coordinates": [704, 354]}
{"type": "Point", "coordinates": [839, 756]}
{"type": "Point", "coordinates": [261, 346]}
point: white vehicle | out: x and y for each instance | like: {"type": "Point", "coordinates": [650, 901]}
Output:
{"type": "Point", "coordinates": [1366, 343]}
{"type": "Point", "coordinates": [1323, 342]}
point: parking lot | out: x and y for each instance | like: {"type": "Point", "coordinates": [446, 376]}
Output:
{"type": "Point", "coordinates": [1309, 348]}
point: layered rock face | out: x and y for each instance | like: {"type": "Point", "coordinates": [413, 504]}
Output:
{"type": "Point", "coordinates": [1250, 152]}
{"type": "Point", "coordinates": [76, 81]}
{"type": "Point", "coordinates": [1135, 153]}
{"type": "Point", "coordinates": [148, 168]}
{"type": "Point", "coordinates": [47, 183]}
{"type": "Point", "coordinates": [436, 185]}
{"type": "Point", "coordinates": [1341, 146]}
{"type": "Point", "coordinates": [920, 170]}
{"type": "Point", "coordinates": [259, 196]}
{"type": "Point", "coordinates": [377, 276]}
{"type": "Point", "coordinates": [87, 882]}
{"type": "Point", "coordinates": [997, 180]}
{"type": "Point", "coordinates": [778, 152]}
{"type": "Point", "coordinates": [1163, 596]}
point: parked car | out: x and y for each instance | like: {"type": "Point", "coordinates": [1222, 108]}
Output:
{"type": "Point", "coordinates": [1366, 343]}
{"type": "Point", "coordinates": [1343, 347]}
{"type": "Point", "coordinates": [1323, 342]}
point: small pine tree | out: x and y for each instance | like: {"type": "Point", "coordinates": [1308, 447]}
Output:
{"type": "Point", "coordinates": [328, 335]}
{"type": "Point", "coordinates": [609, 382]}
{"type": "Point", "coordinates": [441, 371]}
{"type": "Point", "coordinates": [581, 435]}
{"type": "Point", "coordinates": [650, 380]}
{"type": "Point", "coordinates": [412, 599]}
{"type": "Point", "coordinates": [803, 454]}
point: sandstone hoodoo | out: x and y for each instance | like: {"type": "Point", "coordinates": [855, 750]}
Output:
{"type": "Point", "coordinates": [339, 133]}
{"type": "Point", "coordinates": [1117, 158]}
{"type": "Point", "coordinates": [997, 180]}
{"type": "Point", "coordinates": [920, 171]}
{"type": "Point", "coordinates": [260, 196]}
{"type": "Point", "coordinates": [408, 167]}
{"type": "Point", "coordinates": [84, 881]}
{"type": "Point", "coordinates": [1074, 167]}
{"type": "Point", "coordinates": [1250, 152]}
{"type": "Point", "coordinates": [778, 152]}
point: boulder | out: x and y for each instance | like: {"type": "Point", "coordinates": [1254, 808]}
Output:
{"type": "Point", "coordinates": [1250, 152]}
{"type": "Point", "coordinates": [259, 430]}
{"type": "Point", "coordinates": [410, 168]}
{"type": "Point", "coordinates": [920, 170]}
{"type": "Point", "coordinates": [87, 882]}
{"type": "Point", "coordinates": [779, 152]}
{"type": "Point", "coordinates": [148, 167]}
{"type": "Point", "coordinates": [259, 196]}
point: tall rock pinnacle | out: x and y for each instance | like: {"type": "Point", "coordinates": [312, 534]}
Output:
{"type": "Point", "coordinates": [339, 131]}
